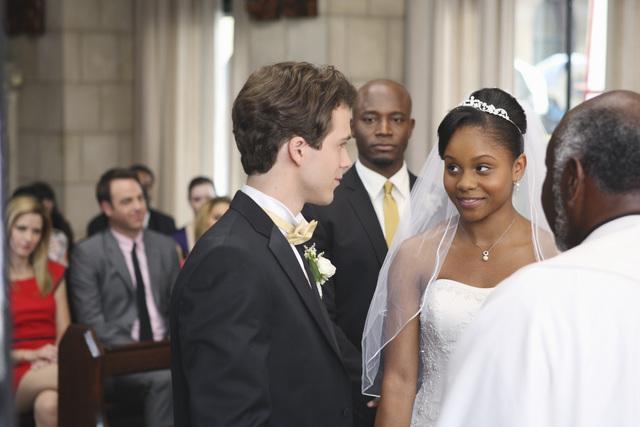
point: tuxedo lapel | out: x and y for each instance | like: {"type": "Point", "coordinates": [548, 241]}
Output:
{"type": "Point", "coordinates": [412, 180]}
{"type": "Point", "coordinates": [116, 258]}
{"type": "Point", "coordinates": [283, 254]}
{"type": "Point", "coordinates": [287, 260]}
{"type": "Point", "coordinates": [363, 208]}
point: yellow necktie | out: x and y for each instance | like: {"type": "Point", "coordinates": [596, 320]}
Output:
{"type": "Point", "coordinates": [390, 211]}
{"type": "Point", "coordinates": [296, 235]}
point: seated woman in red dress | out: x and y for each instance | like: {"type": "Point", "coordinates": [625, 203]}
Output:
{"type": "Point", "coordinates": [39, 310]}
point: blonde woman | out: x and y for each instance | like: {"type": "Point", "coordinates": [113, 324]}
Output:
{"type": "Point", "coordinates": [39, 309]}
{"type": "Point", "coordinates": [201, 189]}
{"type": "Point", "coordinates": [209, 213]}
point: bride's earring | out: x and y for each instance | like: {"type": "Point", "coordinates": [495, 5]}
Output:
{"type": "Point", "coordinates": [516, 186]}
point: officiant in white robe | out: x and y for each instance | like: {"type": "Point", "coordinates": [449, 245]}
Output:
{"type": "Point", "coordinates": [558, 343]}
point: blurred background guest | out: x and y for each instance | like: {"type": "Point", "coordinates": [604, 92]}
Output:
{"type": "Point", "coordinates": [61, 239]}
{"type": "Point", "coordinates": [209, 213]}
{"type": "Point", "coordinates": [154, 219]}
{"type": "Point", "coordinates": [39, 309]}
{"type": "Point", "coordinates": [201, 190]}
{"type": "Point", "coordinates": [120, 282]}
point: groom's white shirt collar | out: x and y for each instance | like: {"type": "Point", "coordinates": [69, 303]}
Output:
{"type": "Point", "coordinates": [272, 204]}
{"type": "Point", "coordinates": [269, 203]}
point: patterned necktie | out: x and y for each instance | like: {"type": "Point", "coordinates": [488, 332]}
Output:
{"type": "Point", "coordinates": [296, 235]}
{"type": "Point", "coordinates": [141, 300]}
{"type": "Point", "coordinates": [390, 211]}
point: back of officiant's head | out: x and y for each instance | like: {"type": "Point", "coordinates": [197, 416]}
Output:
{"type": "Point", "coordinates": [284, 100]}
{"type": "Point", "coordinates": [593, 166]}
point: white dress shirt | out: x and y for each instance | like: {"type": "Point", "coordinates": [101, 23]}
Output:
{"type": "Point", "coordinates": [374, 184]}
{"type": "Point", "coordinates": [276, 207]}
{"type": "Point", "coordinates": [557, 344]}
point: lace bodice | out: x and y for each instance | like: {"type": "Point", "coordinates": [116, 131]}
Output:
{"type": "Point", "coordinates": [448, 308]}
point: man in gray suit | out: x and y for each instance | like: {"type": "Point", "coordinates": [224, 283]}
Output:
{"type": "Point", "coordinates": [104, 277]}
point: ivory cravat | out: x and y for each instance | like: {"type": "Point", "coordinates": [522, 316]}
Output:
{"type": "Point", "coordinates": [390, 210]}
{"type": "Point", "coordinates": [296, 235]}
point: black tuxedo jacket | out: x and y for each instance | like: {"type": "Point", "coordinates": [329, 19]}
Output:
{"type": "Point", "coordinates": [350, 235]}
{"type": "Point", "coordinates": [158, 221]}
{"type": "Point", "coordinates": [251, 343]}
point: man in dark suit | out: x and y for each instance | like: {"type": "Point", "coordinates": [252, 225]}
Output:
{"type": "Point", "coordinates": [120, 283]}
{"type": "Point", "coordinates": [252, 344]}
{"type": "Point", "coordinates": [154, 219]}
{"type": "Point", "coordinates": [355, 229]}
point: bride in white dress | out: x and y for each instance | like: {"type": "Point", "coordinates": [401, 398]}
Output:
{"type": "Point", "coordinates": [475, 218]}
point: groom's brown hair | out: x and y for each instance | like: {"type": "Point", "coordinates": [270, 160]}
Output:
{"type": "Point", "coordinates": [284, 100]}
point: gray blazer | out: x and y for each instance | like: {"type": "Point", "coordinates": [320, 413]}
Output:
{"type": "Point", "coordinates": [101, 289]}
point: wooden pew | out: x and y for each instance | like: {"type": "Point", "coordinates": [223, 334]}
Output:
{"type": "Point", "coordinates": [83, 366]}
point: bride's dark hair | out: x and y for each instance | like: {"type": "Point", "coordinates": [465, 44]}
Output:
{"type": "Point", "coordinates": [507, 133]}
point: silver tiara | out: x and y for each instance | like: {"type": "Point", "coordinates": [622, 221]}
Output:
{"type": "Point", "coordinates": [487, 108]}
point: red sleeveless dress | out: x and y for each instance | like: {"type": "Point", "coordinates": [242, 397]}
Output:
{"type": "Point", "coordinates": [33, 316]}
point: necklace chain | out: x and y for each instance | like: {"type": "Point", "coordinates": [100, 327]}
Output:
{"type": "Point", "coordinates": [486, 252]}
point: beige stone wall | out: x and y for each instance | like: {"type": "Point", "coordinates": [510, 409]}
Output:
{"type": "Point", "coordinates": [74, 106]}
{"type": "Point", "coordinates": [363, 38]}
{"type": "Point", "coordinates": [366, 38]}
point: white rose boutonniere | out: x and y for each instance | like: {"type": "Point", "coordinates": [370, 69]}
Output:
{"type": "Point", "coordinates": [321, 268]}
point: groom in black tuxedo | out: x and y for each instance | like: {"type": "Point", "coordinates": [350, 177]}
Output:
{"type": "Point", "coordinates": [355, 229]}
{"type": "Point", "coordinates": [252, 344]}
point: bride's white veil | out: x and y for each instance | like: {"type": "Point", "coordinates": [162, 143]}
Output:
{"type": "Point", "coordinates": [422, 241]}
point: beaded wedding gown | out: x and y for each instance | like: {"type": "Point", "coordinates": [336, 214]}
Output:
{"type": "Point", "coordinates": [448, 309]}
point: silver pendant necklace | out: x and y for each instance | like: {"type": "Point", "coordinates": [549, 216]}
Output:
{"type": "Point", "coordinates": [487, 252]}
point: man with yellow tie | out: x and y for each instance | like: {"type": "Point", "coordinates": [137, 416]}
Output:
{"type": "Point", "coordinates": [357, 228]}
{"type": "Point", "coordinates": [252, 344]}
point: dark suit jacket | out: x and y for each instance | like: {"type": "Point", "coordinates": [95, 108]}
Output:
{"type": "Point", "coordinates": [101, 289]}
{"type": "Point", "coordinates": [158, 221]}
{"type": "Point", "coordinates": [251, 343]}
{"type": "Point", "coordinates": [349, 233]}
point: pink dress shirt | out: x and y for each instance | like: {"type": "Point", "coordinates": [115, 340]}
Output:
{"type": "Point", "coordinates": [125, 243]}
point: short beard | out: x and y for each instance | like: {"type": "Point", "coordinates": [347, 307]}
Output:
{"type": "Point", "coordinates": [561, 224]}
{"type": "Point", "coordinates": [382, 162]}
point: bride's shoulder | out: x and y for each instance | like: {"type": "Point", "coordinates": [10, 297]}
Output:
{"type": "Point", "coordinates": [426, 239]}
{"type": "Point", "coordinates": [544, 239]}
{"type": "Point", "coordinates": [424, 242]}
{"type": "Point", "coordinates": [546, 242]}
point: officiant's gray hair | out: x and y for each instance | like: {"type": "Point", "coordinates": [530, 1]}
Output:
{"type": "Point", "coordinates": [605, 137]}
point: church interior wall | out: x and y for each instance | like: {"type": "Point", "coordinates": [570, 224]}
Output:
{"type": "Point", "coordinates": [71, 91]}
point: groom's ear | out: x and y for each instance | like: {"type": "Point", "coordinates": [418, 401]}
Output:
{"type": "Point", "coordinates": [295, 148]}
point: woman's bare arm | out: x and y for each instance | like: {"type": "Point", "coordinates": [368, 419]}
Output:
{"type": "Point", "coordinates": [400, 377]}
